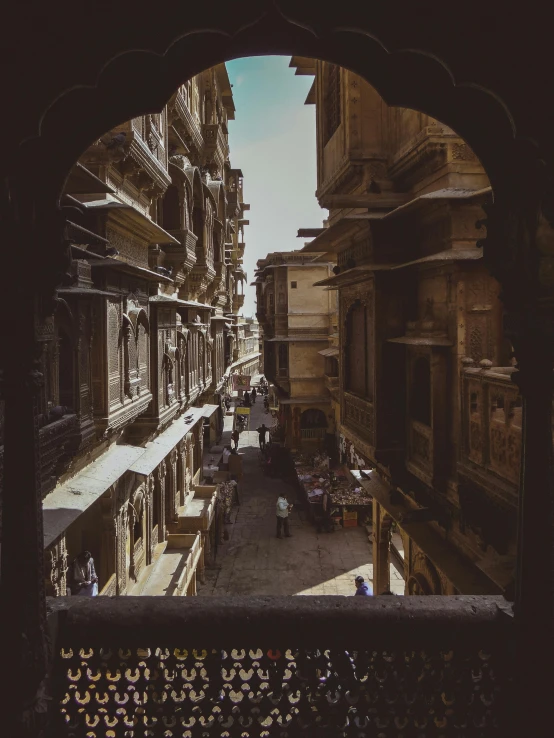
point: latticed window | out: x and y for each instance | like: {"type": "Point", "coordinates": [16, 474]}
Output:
{"type": "Point", "coordinates": [356, 350]}
{"type": "Point", "coordinates": [332, 100]}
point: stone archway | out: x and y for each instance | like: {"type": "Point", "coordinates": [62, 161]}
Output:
{"type": "Point", "coordinates": [82, 99]}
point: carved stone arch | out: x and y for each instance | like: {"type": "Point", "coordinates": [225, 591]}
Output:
{"type": "Point", "coordinates": [63, 316]}
{"type": "Point", "coordinates": [196, 184]}
{"type": "Point", "coordinates": [424, 579]}
{"type": "Point", "coordinates": [137, 317]}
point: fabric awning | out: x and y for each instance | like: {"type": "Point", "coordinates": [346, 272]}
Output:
{"type": "Point", "coordinates": [156, 451]}
{"type": "Point", "coordinates": [333, 351]}
{"type": "Point", "coordinates": [68, 501]}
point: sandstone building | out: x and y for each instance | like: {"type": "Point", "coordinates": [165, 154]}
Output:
{"type": "Point", "coordinates": [297, 319]}
{"type": "Point", "coordinates": [138, 346]}
{"type": "Point", "coordinates": [422, 388]}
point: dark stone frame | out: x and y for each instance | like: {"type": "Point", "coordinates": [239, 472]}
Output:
{"type": "Point", "coordinates": [74, 102]}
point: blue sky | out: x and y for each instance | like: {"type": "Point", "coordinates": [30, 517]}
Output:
{"type": "Point", "coordinates": [272, 140]}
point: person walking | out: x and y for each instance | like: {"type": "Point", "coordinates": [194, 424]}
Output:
{"type": "Point", "coordinates": [235, 435]}
{"type": "Point", "coordinates": [283, 509]}
{"type": "Point", "coordinates": [262, 430]}
{"type": "Point", "coordinates": [84, 579]}
{"type": "Point", "coordinates": [254, 395]}
{"type": "Point", "coordinates": [327, 523]}
{"type": "Point", "coordinates": [362, 587]}
{"type": "Point", "coordinates": [235, 465]}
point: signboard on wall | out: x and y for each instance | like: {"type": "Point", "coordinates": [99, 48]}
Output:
{"type": "Point", "coordinates": [241, 382]}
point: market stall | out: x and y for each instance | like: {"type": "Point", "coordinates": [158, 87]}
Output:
{"type": "Point", "coordinates": [351, 505]}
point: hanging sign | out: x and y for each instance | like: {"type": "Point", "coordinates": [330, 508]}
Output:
{"type": "Point", "coordinates": [242, 411]}
{"type": "Point", "coordinates": [241, 382]}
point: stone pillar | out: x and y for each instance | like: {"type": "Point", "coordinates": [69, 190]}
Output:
{"type": "Point", "coordinates": [160, 481]}
{"type": "Point", "coordinates": [518, 251]}
{"type": "Point", "coordinates": [22, 595]}
{"type": "Point", "coordinates": [534, 606]}
{"type": "Point", "coordinates": [381, 553]}
{"type": "Point", "coordinates": [109, 537]}
{"type": "Point", "coordinates": [175, 484]}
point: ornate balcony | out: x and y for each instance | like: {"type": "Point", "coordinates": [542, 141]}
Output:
{"type": "Point", "coordinates": [276, 666]}
{"type": "Point", "coordinates": [179, 112]}
{"type": "Point", "coordinates": [238, 302]}
{"type": "Point", "coordinates": [215, 142]}
{"type": "Point", "coordinates": [182, 255]}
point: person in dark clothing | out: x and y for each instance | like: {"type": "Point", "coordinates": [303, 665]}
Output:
{"type": "Point", "coordinates": [262, 430]}
{"type": "Point", "coordinates": [328, 526]}
{"type": "Point", "coordinates": [254, 394]}
{"type": "Point", "coordinates": [362, 588]}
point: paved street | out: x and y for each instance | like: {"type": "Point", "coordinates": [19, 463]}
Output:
{"type": "Point", "coordinates": [254, 562]}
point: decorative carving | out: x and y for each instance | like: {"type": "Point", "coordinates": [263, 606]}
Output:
{"type": "Point", "coordinates": [462, 152]}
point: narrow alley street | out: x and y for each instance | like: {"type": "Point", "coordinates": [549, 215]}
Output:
{"type": "Point", "coordinates": [255, 562]}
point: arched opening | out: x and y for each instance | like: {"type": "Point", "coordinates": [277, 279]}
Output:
{"type": "Point", "coordinates": [313, 418]}
{"type": "Point", "coordinates": [482, 130]}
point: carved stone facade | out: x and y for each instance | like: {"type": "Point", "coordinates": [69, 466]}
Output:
{"type": "Point", "coordinates": [417, 314]}
{"type": "Point", "coordinates": [135, 340]}
{"type": "Point", "coordinates": [295, 317]}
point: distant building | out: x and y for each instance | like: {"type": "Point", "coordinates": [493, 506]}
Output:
{"type": "Point", "coordinates": [297, 322]}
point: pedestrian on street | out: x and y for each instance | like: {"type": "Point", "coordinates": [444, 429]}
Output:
{"type": "Point", "coordinates": [235, 435]}
{"type": "Point", "coordinates": [254, 394]}
{"type": "Point", "coordinates": [327, 523]}
{"type": "Point", "coordinates": [235, 465]}
{"type": "Point", "coordinates": [283, 509]}
{"type": "Point", "coordinates": [362, 587]}
{"type": "Point", "coordinates": [224, 466]}
{"type": "Point", "coordinates": [262, 430]}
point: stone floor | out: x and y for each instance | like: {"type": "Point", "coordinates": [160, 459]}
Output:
{"type": "Point", "coordinates": [254, 562]}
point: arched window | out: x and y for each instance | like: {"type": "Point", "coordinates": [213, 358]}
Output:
{"type": "Point", "coordinates": [357, 350]}
{"type": "Point", "coordinates": [420, 391]}
{"type": "Point", "coordinates": [313, 418]}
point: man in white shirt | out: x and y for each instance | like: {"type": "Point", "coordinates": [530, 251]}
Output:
{"type": "Point", "coordinates": [283, 509]}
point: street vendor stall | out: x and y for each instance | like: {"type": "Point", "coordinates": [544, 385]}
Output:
{"type": "Point", "coordinates": [351, 505]}
{"type": "Point", "coordinates": [241, 421]}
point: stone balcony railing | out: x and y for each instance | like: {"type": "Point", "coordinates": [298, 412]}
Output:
{"type": "Point", "coordinates": [282, 666]}
{"type": "Point", "coordinates": [191, 127]}
{"type": "Point", "coordinates": [492, 417]}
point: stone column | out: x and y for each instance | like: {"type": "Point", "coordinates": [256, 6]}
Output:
{"type": "Point", "coordinates": [108, 540]}
{"type": "Point", "coordinates": [518, 251]}
{"type": "Point", "coordinates": [22, 599]}
{"type": "Point", "coordinates": [381, 553]}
